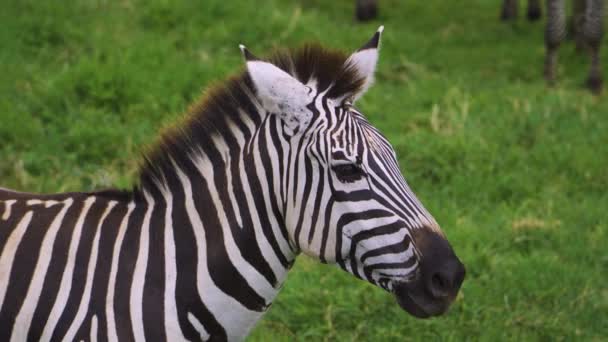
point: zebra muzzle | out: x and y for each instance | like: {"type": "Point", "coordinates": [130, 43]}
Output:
{"type": "Point", "coordinates": [438, 281]}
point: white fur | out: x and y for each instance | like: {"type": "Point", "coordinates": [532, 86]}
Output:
{"type": "Point", "coordinates": [365, 62]}
{"type": "Point", "coordinates": [7, 209]}
{"type": "Point", "coordinates": [282, 94]}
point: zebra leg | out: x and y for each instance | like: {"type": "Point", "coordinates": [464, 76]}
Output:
{"type": "Point", "coordinates": [576, 22]}
{"type": "Point", "coordinates": [509, 10]}
{"type": "Point", "coordinates": [592, 34]}
{"type": "Point", "coordinates": [554, 34]}
{"type": "Point", "coordinates": [534, 11]}
{"type": "Point", "coordinates": [366, 10]}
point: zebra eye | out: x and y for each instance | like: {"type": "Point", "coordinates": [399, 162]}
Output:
{"type": "Point", "coordinates": [348, 173]}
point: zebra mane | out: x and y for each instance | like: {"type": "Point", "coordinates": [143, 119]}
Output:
{"type": "Point", "coordinates": [208, 116]}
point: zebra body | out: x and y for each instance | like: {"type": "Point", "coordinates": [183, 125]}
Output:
{"type": "Point", "coordinates": [103, 266]}
{"type": "Point", "coordinates": [273, 163]}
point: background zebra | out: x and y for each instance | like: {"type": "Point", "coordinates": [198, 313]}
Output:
{"type": "Point", "coordinates": [366, 9]}
{"type": "Point", "coordinates": [585, 25]}
{"type": "Point", "coordinates": [274, 162]}
{"type": "Point", "coordinates": [510, 9]}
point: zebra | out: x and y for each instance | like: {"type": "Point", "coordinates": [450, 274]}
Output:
{"type": "Point", "coordinates": [588, 28]}
{"type": "Point", "coordinates": [366, 9]}
{"type": "Point", "coordinates": [510, 8]}
{"type": "Point", "coordinates": [273, 162]}
{"type": "Point", "coordinates": [585, 25]}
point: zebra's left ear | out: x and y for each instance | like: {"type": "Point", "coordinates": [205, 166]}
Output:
{"type": "Point", "coordinates": [364, 62]}
{"type": "Point", "coordinates": [279, 93]}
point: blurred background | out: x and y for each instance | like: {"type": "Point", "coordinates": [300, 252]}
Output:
{"type": "Point", "coordinates": [516, 173]}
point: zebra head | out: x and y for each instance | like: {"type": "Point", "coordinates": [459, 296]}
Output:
{"type": "Point", "coordinates": [344, 199]}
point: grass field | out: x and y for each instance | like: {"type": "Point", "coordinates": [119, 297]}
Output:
{"type": "Point", "coordinates": [516, 173]}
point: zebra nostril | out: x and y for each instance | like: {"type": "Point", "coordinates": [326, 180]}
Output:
{"type": "Point", "coordinates": [438, 282]}
{"type": "Point", "coordinates": [446, 281]}
{"type": "Point", "coordinates": [440, 285]}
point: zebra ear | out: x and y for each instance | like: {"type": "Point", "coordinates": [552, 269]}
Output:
{"type": "Point", "coordinates": [364, 61]}
{"type": "Point", "coordinates": [279, 92]}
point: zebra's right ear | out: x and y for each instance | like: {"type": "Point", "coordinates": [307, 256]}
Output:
{"type": "Point", "coordinates": [364, 62]}
{"type": "Point", "coordinates": [279, 92]}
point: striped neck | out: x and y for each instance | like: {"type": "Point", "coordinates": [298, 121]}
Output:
{"type": "Point", "coordinates": [234, 172]}
{"type": "Point", "coordinates": [225, 191]}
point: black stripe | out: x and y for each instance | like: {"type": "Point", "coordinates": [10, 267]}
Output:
{"type": "Point", "coordinates": [224, 273]}
{"type": "Point", "coordinates": [351, 217]}
{"type": "Point", "coordinates": [124, 276]}
{"type": "Point", "coordinates": [154, 286]}
{"type": "Point", "coordinates": [367, 234]}
{"type": "Point", "coordinates": [303, 197]}
{"type": "Point", "coordinates": [261, 210]}
{"type": "Point", "coordinates": [390, 228]}
{"type": "Point", "coordinates": [79, 276]}
{"type": "Point", "coordinates": [18, 210]}
{"type": "Point", "coordinates": [397, 247]}
{"type": "Point", "coordinates": [268, 151]}
{"type": "Point", "coordinates": [242, 235]}
{"type": "Point", "coordinates": [107, 238]}
{"type": "Point", "coordinates": [187, 297]}
{"type": "Point", "coordinates": [317, 205]}
{"type": "Point", "coordinates": [24, 264]}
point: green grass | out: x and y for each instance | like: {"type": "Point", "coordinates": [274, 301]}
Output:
{"type": "Point", "coordinates": [515, 173]}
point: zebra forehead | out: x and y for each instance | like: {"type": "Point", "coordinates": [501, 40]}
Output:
{"type": "Point", "coordinates": [327, 68]}
{"type": "Point", "coordinates": [356, 130]}
{"type": "Point", "coordinates": [373, 139]}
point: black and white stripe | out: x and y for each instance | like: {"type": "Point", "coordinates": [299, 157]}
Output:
{"type": "Point", "coordinates": [274, 163]}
